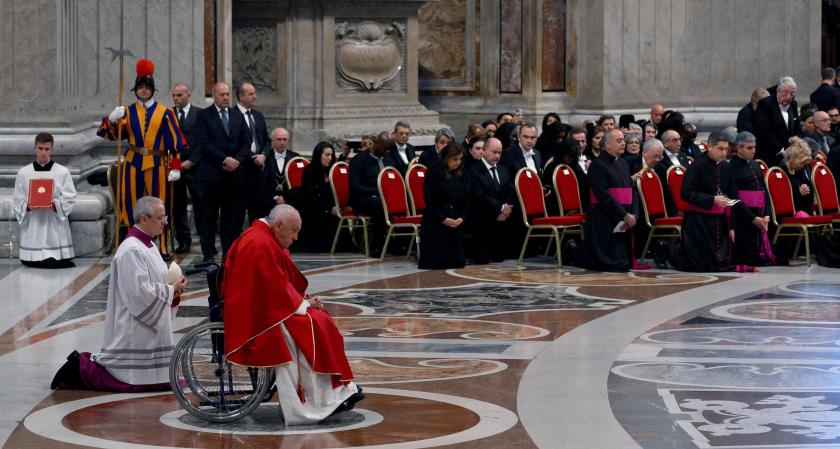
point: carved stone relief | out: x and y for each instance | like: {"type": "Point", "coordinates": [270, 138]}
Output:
{"type": "Point", "coordinates": [254, 55]}
{"type": "Point", "coordinates": [370, 56]}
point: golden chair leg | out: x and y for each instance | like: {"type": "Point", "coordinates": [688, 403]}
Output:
{"type": "Point", "coordinates": [524, 245]}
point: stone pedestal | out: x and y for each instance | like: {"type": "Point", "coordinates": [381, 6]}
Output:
{"type": "Point", "coordinates": [701, 57]}
{"type": "Point", "coordinates": [331, 68]}
{"type": "Point", "coordinates": [61, 71]}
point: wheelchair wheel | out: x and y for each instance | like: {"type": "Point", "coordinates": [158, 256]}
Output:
{"type": "Point", "coordinates": [207, 385]}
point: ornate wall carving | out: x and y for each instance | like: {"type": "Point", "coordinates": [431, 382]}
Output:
{"type": "Point", "coordinates": [255, 54]}
{"type": "Point", "coordinates": [370, 56]}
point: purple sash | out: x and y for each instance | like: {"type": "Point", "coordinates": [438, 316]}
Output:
{"type": "Point", "coordinates": [714, 210]}
{"type": "Point", "coordinates": [752, 198]}
{"type": "Point", "coordinates": [624, 195]}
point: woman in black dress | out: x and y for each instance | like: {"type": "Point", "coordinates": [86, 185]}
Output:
{"type": "Point", "coordinates": [447, 192]}
{"type": "Point", "coordinates": [318, 211]}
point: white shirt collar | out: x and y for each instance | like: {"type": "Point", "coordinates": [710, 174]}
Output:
{"type": "Point", "coordinates": [487, 164]}
{"type": "Point", "coordinates": [242, 109]}
{"type": "Point", "coordinates": [279, 155]}
{"type": "Point", "coordinates": [149, 103]}
{"type": "Point", "coordinates": [185, 109]}
{"type": "Point", "coordinates": [218, 109]}
{"type": "Point", "coordinates": [526, 152]}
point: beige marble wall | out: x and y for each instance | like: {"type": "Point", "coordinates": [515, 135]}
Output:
{"type": "Point", "coordinates": [442, 45]}
{"type": "Point", "coordinates": [511, 46]}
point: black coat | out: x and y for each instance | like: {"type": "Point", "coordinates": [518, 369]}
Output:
{"type": "Point", "coordinates": [488, 196]}
{"type": "Point", "coordinates": [513, 159]}
{"type": "Point", "coordinates": [188, 130]}
{"type": "Point", "coordinates": [215, 144]}
{"type": "Point", "coordinates": [428, 157]}
{"type": "Point", "coordinates": [771, 132]}
{"type": "Point", "coordinates": [316, 212]}
{"type": "Point", "coordinates": [744, 122]}
{"type": "Point", "coordinates": [447, 196]}
{"type": "Point", "coordinates": [274, 180]}
{"type": "Point", "coordinates": [363, 176]}
{"type": "Point", "coordinates": [825, 96]}
{"type": "Point", "coordinates": [398, 163]}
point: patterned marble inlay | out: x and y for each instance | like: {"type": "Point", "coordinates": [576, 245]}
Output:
{"type": "Point", "coordinates": [736, 419]}
{"type": "Point", "coordinates": [794, 311]}
{"type": "Point", "coordinates": [565, 276]}
{"type": "Point", "coordinates": [749, 335]}
{"type": "Point", "coordinates": [815, 288]}
{"type": "Point", "coordinates": [741, 376]}
{"type": "Point", "coordinates": [470, 300]}
{"type": "Point", "coordinates": [373, 371]}
{"type": "Point", "coordinates": [413, 327]}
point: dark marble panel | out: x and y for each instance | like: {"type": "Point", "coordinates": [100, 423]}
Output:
{"type": "Point", "coordinates": [510, 63]}
{"type": "Point", "coordinates": [554, 45]}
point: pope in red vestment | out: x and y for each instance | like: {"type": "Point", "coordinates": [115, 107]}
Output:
{"type": "Point", "coordinates": [264, 293]}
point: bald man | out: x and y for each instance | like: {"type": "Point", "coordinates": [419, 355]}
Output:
{"type": "Point", "coordinates": [222, 137]}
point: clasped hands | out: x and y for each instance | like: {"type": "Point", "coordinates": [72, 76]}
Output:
{"type": "Point", "coordinates": [179, 287]}
{"type": "Point", "coordinates": [505, 213]}
{"type": "Point", "coordinates": [314, 301]}
{"type": "Point", "coordinates": [230, 164]}
{"type": "Point", "coordinates": [452, 222]}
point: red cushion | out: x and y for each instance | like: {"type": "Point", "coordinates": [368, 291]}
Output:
{"type": "Point", "coordinates": [813, 220]}
{"type": "Point", "coordinates": [411, 219]}
{"type": "Point", "coordinates": [566, 220]}
{"type": "Point", "coordinates": [663, 221]}
{"type": "Point", "coordinates": [835, 215]}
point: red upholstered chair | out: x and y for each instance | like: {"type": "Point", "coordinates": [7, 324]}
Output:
{"type": "Point", "coordinates": [568, 191]}
{"type": "Point", "coordinates": [825, 193]}
{"type": "Point", "coordinates": [294, 172]}
{"type": "Point", "coordinates": [675, 177]}
{"type": "Point", "coordinates": [787, 225]}
{"type": "Point", "coordinates": [395, 204]}
{"type": "Point", "coordinates": [347, 218]}
{"type": "Point", "coordinates": [763, 166]}
{"type": "Point", "coordinates": [656, 214]}
{"type": "Point", "coordinates": [532, 204]}
{"type": "Point", "coordinates": [415, 176]}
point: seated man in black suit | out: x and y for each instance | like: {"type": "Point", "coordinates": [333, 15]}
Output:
{"type": "Point", "coordinates": [402, 152]}
{"type": "Point", "coordinates": [275, 191]}
{"type": "Point", "coordinates": [222, 137]}
{"type": "Point", "coordinates": [492, 205]}
{"type": "Point", "coordinates": [443, 137]}
{"type": "Point", "coordinates": [514, 158]}
{"type": "Point", "coordinates": [364, 190]}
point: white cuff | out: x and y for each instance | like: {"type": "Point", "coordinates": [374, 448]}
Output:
{"type": "Point", "coordinates": [301, 310]}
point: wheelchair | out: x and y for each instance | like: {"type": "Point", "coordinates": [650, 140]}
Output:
{"type": "Point", "coordinates": [205, 384]}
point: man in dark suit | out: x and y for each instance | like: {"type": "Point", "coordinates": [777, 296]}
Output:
{"type": "Point", "coordinates": [826, 94]}
{"type": "Point", "coordinates": [443, 137]}
{"type": "Point", "coordinates": [274, 188]}
{"type": "Point", "coordinates": [186, 114]}
{"type": "Point", "coordinates": [246, 97]}
{"type": "Point", "coordinates": [492, 204]}
{"type": "Point", "coordinates": [222, 136]}
{"type": "Point", "coordinates": [364, 190]}
{"type": "Point", "coordinates": [775, 121]}
{"type": "Point", "coordinates": [522, 154]}
{"type": "Point", "coordinates": [402, 152]}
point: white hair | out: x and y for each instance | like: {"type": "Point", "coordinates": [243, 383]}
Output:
{"type": "Point", "coordinates": [786, 81]}
{"type": "Point", "coordinates": [282, 212]}
{"type": "Point", "coordinates": [652, 144]}
{"type": "Point", "coordinates": [146, 206]}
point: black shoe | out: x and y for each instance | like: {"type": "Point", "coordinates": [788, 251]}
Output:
{"type": "Point", "coordinates": [182, 249]}
{"type": "Point", "coordinates": [350, 402]}
{"type": "Point", "coordinates": [68, 376]}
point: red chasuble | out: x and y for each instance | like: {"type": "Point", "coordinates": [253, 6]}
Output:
{"type": "Point", "coordinates": [262, 288]}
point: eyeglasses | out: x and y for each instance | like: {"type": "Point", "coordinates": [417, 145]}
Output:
{"type": "Point", "coordinates": [164, 219]}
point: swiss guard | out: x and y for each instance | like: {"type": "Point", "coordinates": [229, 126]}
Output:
{"type": "Point", "coordinates": [152, 160]}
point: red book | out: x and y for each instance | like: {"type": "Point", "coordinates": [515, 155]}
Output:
{"type": "Point", "coordinates": [41, 193]}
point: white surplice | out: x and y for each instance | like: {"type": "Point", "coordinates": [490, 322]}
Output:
{"type": "Point", "coordinates": [320, 398]}
{"type": "Point", "coordinates": [138, 339]}
{"type": "Point", "coordinates": [45, 233]}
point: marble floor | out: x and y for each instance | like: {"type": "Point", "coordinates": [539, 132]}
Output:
{"type": "Point", "coordinates": [496, 356]}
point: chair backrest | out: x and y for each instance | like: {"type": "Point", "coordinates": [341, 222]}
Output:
{"type": "Point", "coordinates": [568, 191]}
{"type": "Point", "coordinates": [413, 161]}
{"type": "Point", "coordinates": [763, 166]}
{"type": "Point", "coordinates": [530, 193]}
{"type": "Point", "coordinates": [825, 190]}
{"type": "Point", "coordinates": [392, 191]}
{"type": "Point", "coordinates": [675, 176]}
{"type": "Point", "coordinates": [781, 193]}
{"type": "Point", "coordinates": [294, 171]}
{"type": "Point", "coordinates": [653, 198]}
{"type": "Point", "coordinates": [548, 163]}
{"type": "Point", "coordinates": [340, 184]}
{"type": "Point", "coordinates": [415, 176]}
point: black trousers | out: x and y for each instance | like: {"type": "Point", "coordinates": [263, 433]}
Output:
{"type": "Point", "coordinates": [253, 188]}
{"type": "Point", "coordinates": [186, 189]}
{"type": "Point", "coordinates": [223, 202]}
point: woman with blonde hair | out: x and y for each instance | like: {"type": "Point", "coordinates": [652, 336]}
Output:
{"type": "Point", "coordinates": [795, 165]}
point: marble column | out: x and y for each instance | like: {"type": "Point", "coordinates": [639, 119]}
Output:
{"type": "Point", "coordinates": [60, 72]}
{"type": "Point", "coordinates": [332, 68]}
{"type": "Point", "coordinates": [702, 57]}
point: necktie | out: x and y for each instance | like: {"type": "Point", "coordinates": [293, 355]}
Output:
{"type": "Point", "coordinates": [495, 175]}
{"type": "Point", "coordinates": [181, 116]}
{"type": "Point", "coordinates": [381, 165]}
{"type": "Point", "coordinates": [225, 120]}
{"type": "Point", "coordinates": [252, 126]}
